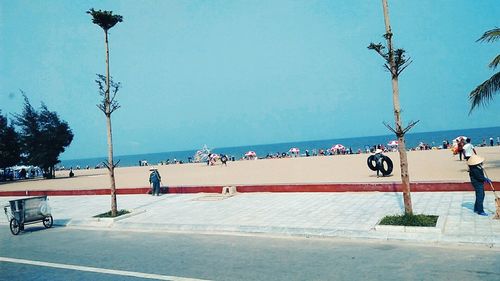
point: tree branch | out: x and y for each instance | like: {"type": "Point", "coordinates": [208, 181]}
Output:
{"type": "Point", "coordinates": [388, 68]}
{"type": "Point", "coordinates": [403, 68]}
{"type": "Point", "coordinates": [105, 163]}
{"type": "Point", "coordinates": [389, 127]}
{"type": "Point", "coordinates": [410, 125]}
{"type": "Point", "coordinates": [108, 103]}
{"type": "Point", "coordinates": [379, 48]}
{"type": "Point", "coordinates": [399, 132]}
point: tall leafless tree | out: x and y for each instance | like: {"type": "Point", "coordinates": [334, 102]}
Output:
{"type": "Point", "coordinates": [396, 62]}
{"type": "Point", "coordinates": [106, 20]}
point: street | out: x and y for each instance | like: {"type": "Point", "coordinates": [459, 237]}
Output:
{"type": "Point", "coordinates": [75, 254]}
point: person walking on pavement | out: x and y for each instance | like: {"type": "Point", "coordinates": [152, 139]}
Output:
{"type": "Point", "coordinates": [154, 179]}
{"type": "Point", "coordinates": [468, 149]}
{"type": "Point", "coordinates": [477, 180]}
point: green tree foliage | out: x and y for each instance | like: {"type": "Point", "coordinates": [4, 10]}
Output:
{"type": "Point", "coordinates": [10, 147]}
{"type": "Point", "coordinates": [108, 103]}
{"type": "Point", "coordinates": [400, 60]}
{"type": "Point", "coordinates": [44, 136]}
{"type": "Point", "coordinates": [104, 19]}
{"type": "Point", "coordinates": [483, 93]}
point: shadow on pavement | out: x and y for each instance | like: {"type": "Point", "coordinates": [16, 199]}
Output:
{"type": "Point", "coordinates": [468, 205]}
{"type": "Point", "coordinates": [61, 222]}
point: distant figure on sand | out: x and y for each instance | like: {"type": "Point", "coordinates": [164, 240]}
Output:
{"type": "Point", "coordinates": [378, 159]}
{"type": "Point", "coordinates": [223, 159]}
{"type": "Point", "coordinates": [380, 163]}
{"type": "Point", "coordinates": [477, 180]}
{"type": "Point", "coordinates": [445, 144]}
{"type": "Point", "coordinates": [22, 174]}
{"type": "Point", "coordinates": [460, 147]}
{"type": "Point", "coordinates": [154, 180]}
{"type": "Point", "coordinates": [468, 149]}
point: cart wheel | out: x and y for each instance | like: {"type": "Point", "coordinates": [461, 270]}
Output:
{"type": "Point", "coordinates": [15, 228]}
{"type": "Point", "coordinates": [48, 221]}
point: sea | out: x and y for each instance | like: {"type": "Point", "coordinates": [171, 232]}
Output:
{"type": "Point", "coordinates": [432, 139]}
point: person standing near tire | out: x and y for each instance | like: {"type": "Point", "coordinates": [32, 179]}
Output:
{"type": "Point", "coordinates": [378, 159]}
{"type": "Point", "coordinates": [477, 180]}
{"type": "Point", "coordinates": [154, 179]}
{"type": "Point", "coordinates": [468, 149]}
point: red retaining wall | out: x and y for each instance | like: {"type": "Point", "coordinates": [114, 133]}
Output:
{"type": "Point", "coordinates": [326, 187]}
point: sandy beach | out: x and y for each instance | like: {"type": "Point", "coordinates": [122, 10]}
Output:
{"type": "Point", "coordinates": [425, 166]}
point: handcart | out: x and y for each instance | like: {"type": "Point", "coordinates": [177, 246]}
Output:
{"type": "Point", "coordinates": [28, 211]}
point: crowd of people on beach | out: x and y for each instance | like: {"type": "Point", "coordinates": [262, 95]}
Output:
{"type": "Point", "coordinates": [207, 156]}
{"type": "Point", "coordinates": [313, 152]}
{"type": "Point", "coordinates": [211, 159]}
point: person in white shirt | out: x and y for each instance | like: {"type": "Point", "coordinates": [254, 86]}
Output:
{"type": "Point", "coordinates": [468, 149]}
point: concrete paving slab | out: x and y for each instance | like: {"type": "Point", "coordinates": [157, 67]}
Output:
{"type": "Point", "coordinates": [346, 215]}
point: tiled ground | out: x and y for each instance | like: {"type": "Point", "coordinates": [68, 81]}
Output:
{"type": "Point", "coordinates": [323, 214]}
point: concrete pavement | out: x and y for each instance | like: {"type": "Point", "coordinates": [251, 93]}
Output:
{"type": "Point", "coordinates": [318, 214]}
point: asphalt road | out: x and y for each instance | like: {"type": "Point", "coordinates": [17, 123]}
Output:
{"type": "Point", "coordinates": [73, 254]}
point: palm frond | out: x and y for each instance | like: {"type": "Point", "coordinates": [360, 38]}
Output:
{"type": "Point", "coordinates": [483, 94]}
{"type": "Point", "coordinates": [494, 63]}
{"type": "Point", "coordinates": [490, 35]}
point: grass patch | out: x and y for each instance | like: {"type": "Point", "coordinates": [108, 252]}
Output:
{"type": "Point", "coordinates": [410, 220]}
{"type": "Point", "coordinates": [108, 214]}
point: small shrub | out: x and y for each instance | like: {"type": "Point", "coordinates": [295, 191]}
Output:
{"type": "Point", "coordinates": [108, 214]}
{"type": "Point", "coordinates": [410, 220]}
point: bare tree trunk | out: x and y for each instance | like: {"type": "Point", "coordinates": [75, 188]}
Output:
{"type": "Point", "coordinates": [405, 176]}
{"type": "Point", "coordinates": [111, 165]}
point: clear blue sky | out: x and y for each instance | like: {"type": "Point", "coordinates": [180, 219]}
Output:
{"type": "Point", "coordinates": [229, 73]}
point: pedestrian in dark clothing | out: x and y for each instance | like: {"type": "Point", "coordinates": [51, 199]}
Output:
{"type": "Point", "coordinates": [155, 179]}
{"type": "Point", "coordinates": [22, 174]}
{"type": "Point", "coordinates": [477, 180]}
{"type": "Point", "coordinates": [378, 160]}
{"type": "Point", "coordinates": [460, 145]}
{"type": "Point", "coordinates": [223, 159]}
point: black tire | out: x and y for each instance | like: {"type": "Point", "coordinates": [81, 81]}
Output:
{"type": "Point", "coordinates": [372, 164]}
{"type": "Point", "coordinates": [15, 227]}
{"type": "Point", "coordinates": [48, 222]}
{"type": "Point", "coordinates": [386, 166]}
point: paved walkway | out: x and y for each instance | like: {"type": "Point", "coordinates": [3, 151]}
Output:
{"type": "Point", "coordinates": [347, 215]}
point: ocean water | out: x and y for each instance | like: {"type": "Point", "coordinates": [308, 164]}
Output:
{"type": "Point", "coordinates": [412, 140]}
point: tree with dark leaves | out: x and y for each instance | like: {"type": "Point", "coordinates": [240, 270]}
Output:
{"type": "Point", "coordinates": [10, 147]}
{"type": "Point", "coordinates": [44, 136]}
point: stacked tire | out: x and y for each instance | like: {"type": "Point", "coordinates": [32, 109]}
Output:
{"type": "Point", "coordinates": [385, 165]}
